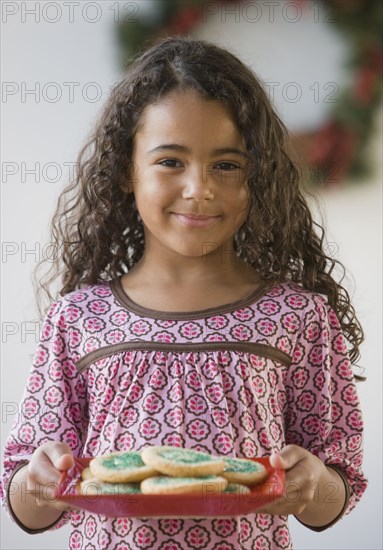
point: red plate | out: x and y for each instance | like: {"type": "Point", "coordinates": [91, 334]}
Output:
{"type": "Point", "coordinates": [195, 505]}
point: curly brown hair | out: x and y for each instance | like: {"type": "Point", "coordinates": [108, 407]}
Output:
{"type": "Point", "coordinates": [96, 226]}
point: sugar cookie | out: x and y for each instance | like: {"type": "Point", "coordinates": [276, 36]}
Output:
{"type": "Point", "coordinates": [179, 462]}
{"type": "Point", "coordinates": [237, 488]}
{"type": "Point", "coordinates": [96, 487]}
{"type": "Point", "coordinates": [162, 485]}
{"type": "Point", "coordinates": [87, 474]}
{"type": "Point", "coordinates": [121, 467]}
{"type": "Point", "coordinates": [243, 470]}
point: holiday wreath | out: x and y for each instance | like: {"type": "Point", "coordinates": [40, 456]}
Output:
{"type": "Point", "coordinates": [338, 148]}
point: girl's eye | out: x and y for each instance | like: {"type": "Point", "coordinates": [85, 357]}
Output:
{"type": "Point", "coordinates": [224, 166]}
{"type": "Point", "coordinates": [162, 163]}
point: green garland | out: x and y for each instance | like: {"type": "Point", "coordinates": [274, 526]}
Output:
{"type": "Point", "coordinates": [338, 149]}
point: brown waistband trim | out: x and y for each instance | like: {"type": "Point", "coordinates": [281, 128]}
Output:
{"type": "Point", "coordinates": [263, 350]}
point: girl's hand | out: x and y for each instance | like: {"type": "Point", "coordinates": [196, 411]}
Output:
{"type": "Point", "coordinates": [303, 474]}
{"type": "Point", "coordinates": [44, 471]}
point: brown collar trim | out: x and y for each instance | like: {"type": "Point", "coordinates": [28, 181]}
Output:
{"type": "Point", "coordinates": [262, 350]}
{"type": "Point", "coordinates": [129, 304]}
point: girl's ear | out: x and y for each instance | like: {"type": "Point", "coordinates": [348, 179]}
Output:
{"type": "Point", "coordinates": [126, 184]}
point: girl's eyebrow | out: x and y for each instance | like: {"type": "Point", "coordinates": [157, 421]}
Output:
{"type": "Point", "coordinates": [184, 149]}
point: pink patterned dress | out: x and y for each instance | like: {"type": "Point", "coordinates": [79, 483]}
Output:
{"type": "Point", "coordinates": [241, 380]}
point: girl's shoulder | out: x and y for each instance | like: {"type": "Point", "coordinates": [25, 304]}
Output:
{"type": "Point", "coordinates": [291, 300]}
{"type": "Point", "coordinates": [92, 299]}
{"type": "Point", "coordinates": [295, 294]}
{"type": "Point", "coordinates": [89, 292]}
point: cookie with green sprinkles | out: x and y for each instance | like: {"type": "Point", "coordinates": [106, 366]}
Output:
{"type": "Point", "coordinates": [166, 485]}
{"type": "Point", "coordinates": [237, 488]}
{"type": "Point", "coordinates": [121, 467]}
{"type": "Point", "coordinates": [244, 470]}
{"type": "Point", "coordinates": [87, 474]}
{"type": "Point", "coordinates": [96, 487]}
{"type": "Point", "coordinates": [179, 462]}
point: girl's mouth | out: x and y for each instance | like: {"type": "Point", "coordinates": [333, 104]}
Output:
{"type": "Point", "coordinates": [191, 221]}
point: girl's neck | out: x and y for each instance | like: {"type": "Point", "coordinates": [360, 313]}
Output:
{"type": "Point", "coordinates": [194, 272]}
{"type": "Point", "coordinates": [192, 286]}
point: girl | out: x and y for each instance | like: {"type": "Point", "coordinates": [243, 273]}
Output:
{"type": "Point", "coordinates": [197, 310]}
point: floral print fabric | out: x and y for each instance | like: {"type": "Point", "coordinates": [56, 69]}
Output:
{"type": "Point", "coordinates": [242, 381]}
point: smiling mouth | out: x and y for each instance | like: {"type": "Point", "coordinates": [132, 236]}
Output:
{"type": "Point", "coordinates": [195, 216]}
{"type": "Point", "coordinates": [196, 221]}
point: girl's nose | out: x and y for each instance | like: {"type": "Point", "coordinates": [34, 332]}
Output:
{"type": "Point", "coordinates": [198, 183]}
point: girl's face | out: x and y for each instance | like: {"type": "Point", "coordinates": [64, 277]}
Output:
{"type": "Point", "coordinates": [189, 159]}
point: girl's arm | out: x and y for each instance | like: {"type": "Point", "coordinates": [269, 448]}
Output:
{"type": "Point", "coordinates": [323, 447]}
{"type": "Point", "coordinates": [315, 493]}
{"type": "Point", "coordinates": [51, 421]}
{"type": "Point", "coordinates": [31, 490]}
{"type": "Point", "coordinates": [321, 510]}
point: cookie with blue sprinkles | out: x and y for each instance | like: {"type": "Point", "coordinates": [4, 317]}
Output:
{"type": "Point", "coordinates": [121, 467]}
{"type": "Point", "coordinates": [244, 470]}
{"type": "Point", "coordinates": [167, 485]}
{"type": "Point", "coordinates": [96, 487]}
{"type": "Point", "coordinates": [180, 462]}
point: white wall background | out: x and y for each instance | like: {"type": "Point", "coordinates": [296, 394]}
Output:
{"type": "Point", "coordinates": [68, 54]}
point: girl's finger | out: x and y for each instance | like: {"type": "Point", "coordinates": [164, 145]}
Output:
{"type": "Point", "coordinates": [276, 461]}
{"type": "Point", "coordinates": [44, 470]}
{"type": "Point", "coordinates": [288, 457]}
{"type": "Point", "coordinates": [41, 471]}
{"type": "Point", "coordinates": [60, 455]}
